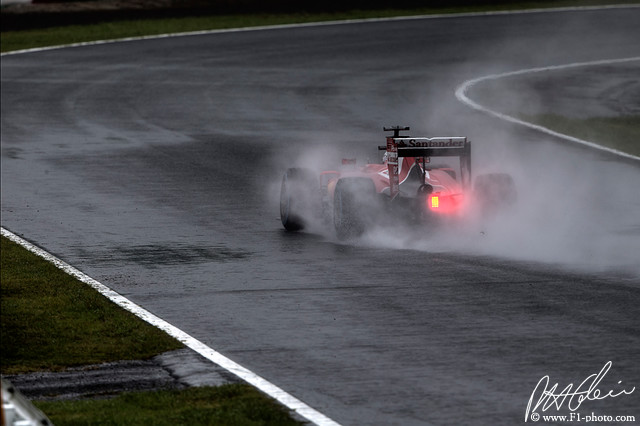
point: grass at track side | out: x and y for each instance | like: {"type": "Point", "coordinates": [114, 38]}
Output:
{"type": "Point", "coordinates": [223, 405]}
{"type": "Point", "coordinates": [50, 321]}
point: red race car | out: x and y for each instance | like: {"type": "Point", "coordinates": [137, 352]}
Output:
{"type": "Point", "coordinates": [420, 180]}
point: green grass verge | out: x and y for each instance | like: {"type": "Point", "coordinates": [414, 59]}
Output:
{"type": "Point", "coordinates": [224, 405]}
{"type": "Point", "coordinates": [620, 133]}
{"type": "Point", "coordinates": [25, 39]}
{"type": "Point", "coordinates": [51, 321]}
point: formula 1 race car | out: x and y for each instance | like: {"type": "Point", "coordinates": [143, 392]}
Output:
{"type": "Point", "coordinates": [420, 180]}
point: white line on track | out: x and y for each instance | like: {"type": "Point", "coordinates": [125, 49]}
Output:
{"type": "Point", "coordinates": [461, 95]}
{"type": "Point", "coordinates": [248, 376]}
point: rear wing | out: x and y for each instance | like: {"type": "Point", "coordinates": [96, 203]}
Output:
{"type": "Point", "coordinates": [433, 147]}
{"type": "Point", "coordinates": [422, 149]}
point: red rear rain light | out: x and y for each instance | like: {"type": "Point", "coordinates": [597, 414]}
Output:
{"type": "Point", "coordinates": [445, 204]}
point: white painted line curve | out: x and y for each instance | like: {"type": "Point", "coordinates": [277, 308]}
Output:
{"type": "Point", "coordinates": [461, 95]}
{"type": "Point", "coordinates": [243, 373]}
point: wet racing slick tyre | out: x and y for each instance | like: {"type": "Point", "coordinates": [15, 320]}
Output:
{"type": "Point", "coordinates": [300, 199]}
{"type": "Point", "coordinates": [355, 207]}
{"type": "Point", "coordinates": [495, 192]}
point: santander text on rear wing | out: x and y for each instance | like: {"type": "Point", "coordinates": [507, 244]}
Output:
{"type": "Point", "coordinates": [432, 147]}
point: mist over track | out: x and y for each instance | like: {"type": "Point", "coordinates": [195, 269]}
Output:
{"type": "Point", "coordinates": [153, 166]}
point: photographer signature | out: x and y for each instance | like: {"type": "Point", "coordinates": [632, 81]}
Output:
{"type": "Point", "coordinates": [548, 397]}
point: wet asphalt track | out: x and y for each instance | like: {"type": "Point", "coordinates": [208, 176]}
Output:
{"type": "Point", "coordinates": [153, 166]}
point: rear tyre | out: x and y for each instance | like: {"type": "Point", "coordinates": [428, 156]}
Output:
{"type": "Point", "coordinates": [495, 192]}
{"type": "Point", "coordinates": [355, 207]}
{"type": "Point", "coordinates": [299, 198]}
